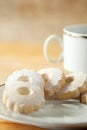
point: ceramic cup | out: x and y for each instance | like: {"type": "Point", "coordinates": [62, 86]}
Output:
{"type": "Point", "coordinates": [74, 45]}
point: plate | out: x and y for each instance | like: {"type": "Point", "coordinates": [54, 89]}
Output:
{"type": "Point", "coordinates": [54, 114]}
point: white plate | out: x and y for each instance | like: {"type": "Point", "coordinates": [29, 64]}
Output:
{"type": "Point", "coordinates": [53, 115]}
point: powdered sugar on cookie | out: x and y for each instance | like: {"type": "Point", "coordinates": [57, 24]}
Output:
{"type": "Point", "coordinates": [54, 80]}
{"type": "Point", "coordinates": [24, 95]}
{"type": "Point", "coordinates": [73, 89]}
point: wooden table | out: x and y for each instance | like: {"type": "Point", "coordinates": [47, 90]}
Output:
{"type": "Point", "coordinates": [16, 56]}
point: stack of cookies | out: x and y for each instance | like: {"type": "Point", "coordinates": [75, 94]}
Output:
{"type": "Point", "coordinates": [63, 87]}
{"type": "Point", "coordinates": [26, 90]}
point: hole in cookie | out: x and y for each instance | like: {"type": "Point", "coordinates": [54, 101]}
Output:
{"type": "Point", "coordinates": [69, 79]}
{"type": "Point", "coordinates": [23, 78]}
{"type": "Point", "coordinates": [45, 77]}
{"type": "Point", "coordinates": [23, 90]}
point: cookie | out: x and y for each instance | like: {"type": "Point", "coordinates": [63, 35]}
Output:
{"type": "Point", "coordinates": [26, 76]}
{"type": "Point", "coordinates": [76, 85]}
{"type": "Point", "coordinates": [23, 91]}
{"type": "Point", "coordinates": [83, 98]}
{"type": "Point", "coordinates": [54, 80]}
{"type": "Point", "coordinates": [69, 78]}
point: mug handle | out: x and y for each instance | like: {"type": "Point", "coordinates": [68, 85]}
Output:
{"type": "Point", "coordinates": [45, 49]}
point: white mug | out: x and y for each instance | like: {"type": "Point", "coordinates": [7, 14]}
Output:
{"type": "Point", "coordinates": [74, 48]}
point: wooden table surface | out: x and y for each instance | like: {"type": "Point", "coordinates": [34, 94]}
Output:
{"type": "Point", "coordinates": [16, 56]}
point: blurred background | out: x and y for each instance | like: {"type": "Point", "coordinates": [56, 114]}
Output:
{"type": "Point", "coordinates": [31, 21]}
